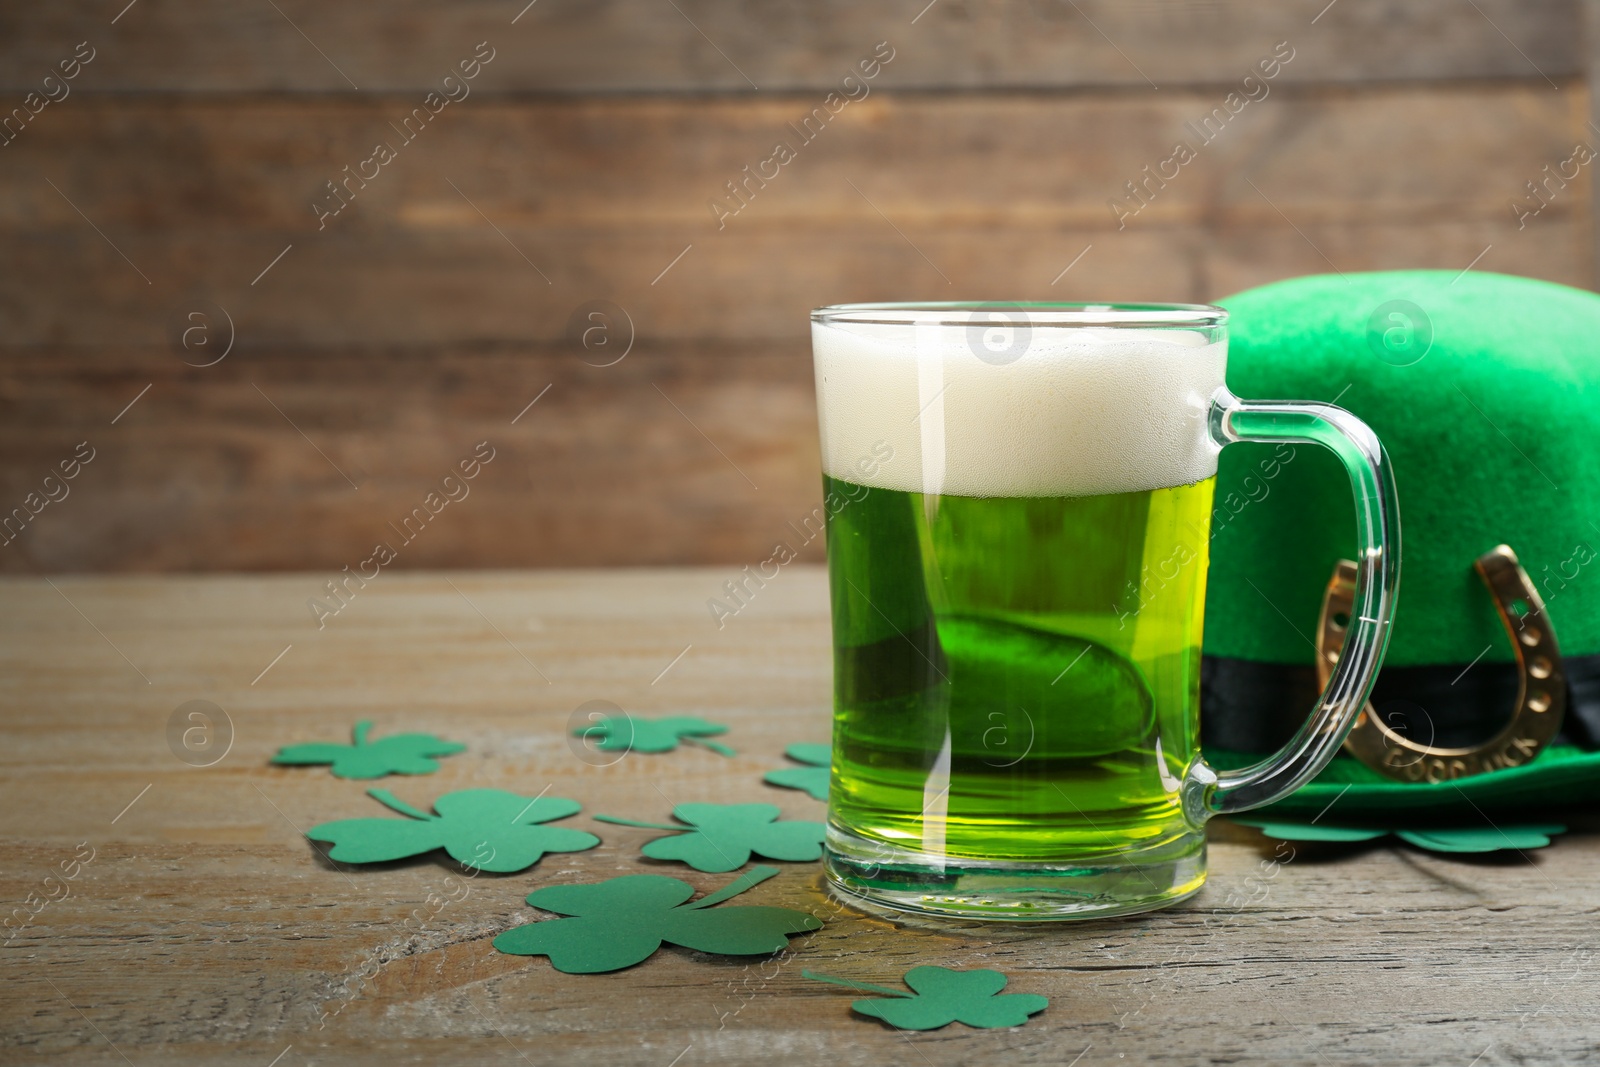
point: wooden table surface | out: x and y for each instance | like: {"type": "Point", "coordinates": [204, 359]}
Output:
{"type": "Point", "coordinates": [206, 929]}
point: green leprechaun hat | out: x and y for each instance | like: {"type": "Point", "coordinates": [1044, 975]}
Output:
{"type": "Point", "coordinates": [1485, 390]}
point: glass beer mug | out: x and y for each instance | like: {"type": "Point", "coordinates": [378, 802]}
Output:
{"type": "Point", "coordinates": [1019, 505]}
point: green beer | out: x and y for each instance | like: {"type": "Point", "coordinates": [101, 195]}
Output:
{"type": "Point", "coordinates": [1036, 660]}
{"type": "Point", "coordinates": [1019, 506]}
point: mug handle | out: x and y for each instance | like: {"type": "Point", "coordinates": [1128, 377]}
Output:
{"type": "Point", "coordinates": [1207, 792]}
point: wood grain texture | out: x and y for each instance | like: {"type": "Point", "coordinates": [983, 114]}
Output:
{"type": "Point", "coordinates": [206, 930]}
{"type": "Point", "coordinates": [425, 317]}
{"type": "Point", "coordinates": [734, 45]}
{"type": "Point", "coordinates": [285, 460]}
{"type": "Point", "coordinates": [501, 218]}
{"type": "Point", "coordinates": [376, 347]}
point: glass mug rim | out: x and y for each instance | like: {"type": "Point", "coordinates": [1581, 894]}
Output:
{"type": "Point", "coordinates": [1036, 314]}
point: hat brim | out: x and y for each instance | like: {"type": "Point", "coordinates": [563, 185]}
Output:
{"type": "Point", "coordinates": [1561, 776]}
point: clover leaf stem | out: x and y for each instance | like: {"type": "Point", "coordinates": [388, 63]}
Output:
{"type": "Point", "coordinates": [715, 746]}
{"type": "Point", "coordinates": [388, 799]}
{"type": "Point", "coordinates": [866, 987]}
{"type": "Point", "coordinates": [751, 878]}
{"type": "Point", "coordinates": [360, 732]}
{"type": "Point", "coordinates": [641, 825]}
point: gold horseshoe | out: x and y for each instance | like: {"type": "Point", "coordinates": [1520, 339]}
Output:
{"type": "Point", "coordinates": [1541, 682]}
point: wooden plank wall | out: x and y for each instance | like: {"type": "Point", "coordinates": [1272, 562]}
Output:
{"type": "Point", "coordinates": [178, 189]}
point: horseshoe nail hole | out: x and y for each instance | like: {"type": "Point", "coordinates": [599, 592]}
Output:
{"type": "Point", "coordinates": [1539, 702]}
{"type": "Point", "coordinates": [1341, 619]}
{"type": "Point", "coordinates": [1539, 668]}
{"type": "Point", "coordinates": [1332, 657]}
{"type": "Point", "coordinates": [1530, 636]}
{"type": "Point", "coordinates": [1519, 607]}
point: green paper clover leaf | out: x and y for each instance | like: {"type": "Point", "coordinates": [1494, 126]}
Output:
{"type": "Point", "coordinates": [942, 996]}
{"type": "Point", "coordinates": [400, 754]}
{"type": "Point", "coordinates": [622, 733]}
{"type": "Point", "coordinates": [487, 829]}
{"type": "Point", "coordinates": [623, 921]}
{"type": "Point", "coordinates": [721, 837]}
{"type": "Point", "coordinates": [1439, 839]}
{"type": "Point", "coordinates": [813, 779]}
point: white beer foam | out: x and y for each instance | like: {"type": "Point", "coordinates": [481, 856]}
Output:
{"type": "Point", "coordinates": [1082, 411]}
